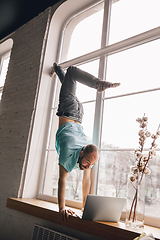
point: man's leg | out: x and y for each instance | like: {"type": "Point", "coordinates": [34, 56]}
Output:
{"type": "Point", "coordinates": [81, 76]}
{"type": "Point", "coordinates": [69, 105]}
{"type": "Point", "coordinates": [68, 83]}
{"type": "Point", "coordinates": [87, 79]}
{"type": "Point", "coordinates": [59, 71]}
{"type": "Point", "coordinates": [75, 74]}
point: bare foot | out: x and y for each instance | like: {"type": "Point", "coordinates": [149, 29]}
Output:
{"type": "Point", "coordinates": [112, 85]}
{"type": "Point", "coordinates": [102, 85]}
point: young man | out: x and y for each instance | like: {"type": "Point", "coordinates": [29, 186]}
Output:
{"type": "Point", "coordinates": [71, 143]}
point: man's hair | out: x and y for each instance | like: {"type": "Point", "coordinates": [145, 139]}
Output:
{"type": "Point", "coordinates": [89, 149]}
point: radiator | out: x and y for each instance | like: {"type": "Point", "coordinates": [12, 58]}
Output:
{"type": "Point", "coordinates": [41, 233]}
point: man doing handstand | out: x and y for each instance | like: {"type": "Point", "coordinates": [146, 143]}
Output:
{"type": "Point", "coordinates": [72, 146]}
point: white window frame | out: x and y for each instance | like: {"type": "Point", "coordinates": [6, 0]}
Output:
{"type": "Point", "coordinates": [35, 154]}
{"type": "Point", "coordinates": [5, 51]}
{"type": "Point", "coordinates": [34, 157]}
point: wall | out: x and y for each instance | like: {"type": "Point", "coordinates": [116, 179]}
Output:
{"type": "Point", "coordinates": [16, 109]}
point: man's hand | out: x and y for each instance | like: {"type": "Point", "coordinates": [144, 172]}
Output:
{"type": "Point", "coordinates": [52, 71]}
{"type": "Point", "coordinates": [66, 213]}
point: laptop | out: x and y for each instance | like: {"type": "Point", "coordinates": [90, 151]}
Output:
{"type": "Point", "coordinates": [101, 208]}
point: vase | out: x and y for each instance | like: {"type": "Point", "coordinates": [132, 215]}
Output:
{"type": "Point", "coordinates": [135, 202]}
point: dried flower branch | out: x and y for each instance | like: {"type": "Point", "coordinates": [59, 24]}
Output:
{"type": "Point", "coordinates": [142, 160]}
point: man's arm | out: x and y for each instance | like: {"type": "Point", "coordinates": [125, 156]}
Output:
{"type": "Point", "coordinates": [62, 188]}
{"type": "Point", "coordinates": [86, 183]}
{"type": "Point", "coordinates": [61, 193]}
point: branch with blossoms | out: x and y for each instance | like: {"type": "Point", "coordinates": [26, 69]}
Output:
{"type": "Point", "coordinates": [141, 165]}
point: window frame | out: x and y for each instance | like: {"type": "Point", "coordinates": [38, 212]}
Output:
{"type": "Point", "coordinates": [108, 50]}
{"type": "Point", "coordinates": [2, 58]}
{"type": "Point", "coordinates": [5, 49]}
{"type": "Point", "coordinates": [102, 54]}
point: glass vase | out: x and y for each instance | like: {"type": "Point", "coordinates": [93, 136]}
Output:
{"type": "Point", "coordinates": [135, 202]}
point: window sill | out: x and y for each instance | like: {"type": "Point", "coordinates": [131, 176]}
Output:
{"type": "Point", "coordinates": [106, 230]}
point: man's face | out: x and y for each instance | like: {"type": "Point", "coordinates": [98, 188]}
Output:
{"type": "Point", "coordinates": [85, 162]}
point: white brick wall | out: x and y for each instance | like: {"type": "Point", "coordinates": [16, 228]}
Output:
{"type": "Point", "coordinates": [16, 110]}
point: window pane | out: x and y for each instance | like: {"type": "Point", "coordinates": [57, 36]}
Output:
{"type": "Point", "coordinates": [131, 17]}
{"type": "Point", "coordinates": [3, 71]}
{"type": "Point", "coordinates": [50, 186]}
{"type": "Point", "coordinates": [53, 129]}
{"type": "Point", "coordinates": [120, 129]}
{"type": "Point", "coordinates": [88, 119]}
{"type": "Point", "coordinates": [113, 172]}
{"type": "Point", "coordinates": [152, 206]}
{"type": "Point", "coordinates": [86, 36]}
{"type": "Point", "coordinates": [136, 69]}
{"type": "Point", "coordinates": [85, 93]}
{"type": "Point", "coordinates": [74, 185]}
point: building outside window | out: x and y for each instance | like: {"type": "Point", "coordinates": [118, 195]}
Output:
{"type": "Point", "coordinates": [126, 44]}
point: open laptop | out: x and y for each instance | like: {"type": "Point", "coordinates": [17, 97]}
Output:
{"type": "Point", "coordinates": [101, 208]}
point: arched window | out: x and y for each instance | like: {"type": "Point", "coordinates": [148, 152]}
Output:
{"type": "Point", "coordinates": [79, 27]}
{"type": "Point", "coordinates": [5, 50]}
{"type": "Point", "coordinates": [115, 41]}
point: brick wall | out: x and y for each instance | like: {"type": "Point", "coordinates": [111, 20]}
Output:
{"type": "Point", "coordinates": [16, 110]}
